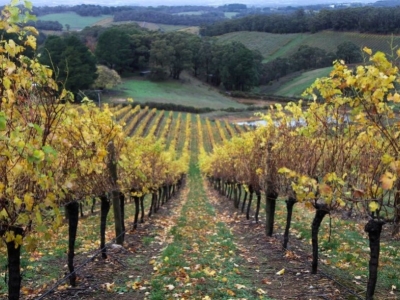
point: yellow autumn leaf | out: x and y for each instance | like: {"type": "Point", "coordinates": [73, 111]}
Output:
{"type": "Point", "coordinates": [136, 285]}
{"type": "Point", "coordinates": [325, 189]}
{"type": "Point", "coordinates": [373, 206]}
{"type": "Point", "coordinates": [18, 241]}
{"type": "Point", "coordinates": [386, 158]}
{"type": "Point", "coordinates": [281, 272]}
{"type": "Point", "coordinates": [29, 201]}
{"type": "Point", "coordinates": [387, 180]}
{"type": "Point", "coordinates": [240, 286]}
{"type": "Point", "coordinates": [109, 286]}
{"type": "Point", "coordinates": [261, 292]}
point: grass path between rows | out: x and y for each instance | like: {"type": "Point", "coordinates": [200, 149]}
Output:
{"type": "Point", "coordinates": [200, 260]}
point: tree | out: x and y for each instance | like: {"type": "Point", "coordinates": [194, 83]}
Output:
{"type": "Point", "coordinates": [240, 67]}
{"type": "Point", "coordinates": [349, 53]}
{"type": "Point", "coordinates": [182, 55]}
{"type": "Point", "coordinates": [161, 55]}
{"type": "Point", "coordinates": [106, 79]}
{"type": "Point", "coordinates": [74, 64]}
{"type": "Point", "coordinates": [114, 49]}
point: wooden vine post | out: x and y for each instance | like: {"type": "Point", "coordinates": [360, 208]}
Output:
{"type": "Point", "coordinates": [115, 194]}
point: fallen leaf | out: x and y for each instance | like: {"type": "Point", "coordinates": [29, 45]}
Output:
{"type": "Point", "coordinates": [170, 287]}
{"type": "Point", "coordinates": [266, 281]}
{"type": "Point", "coordinates": [240, 286]}
{"type": "Point", "coordinates": [261, 292]}
{"type": "Point", "coordinates": [281, 272]}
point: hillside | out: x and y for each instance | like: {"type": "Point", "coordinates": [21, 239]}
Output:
{"type": "Point", "coordinates": [274, 45]}
{"type": "Point", "coordinates": [75, 21]}
{"type": "Point", "coordinates": [187, 92]}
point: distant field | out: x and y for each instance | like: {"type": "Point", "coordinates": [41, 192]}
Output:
{"type": "Point", "coordinates": [155, 26]}
{"type": "Point", "coordinates": [197, 13]}
{"type": "Point", "coordinates": [329, 40]}
{"type": "Point", "coordinates": [190, 93]}
{"type": "Point", "coordinates": [230, 15]}
{"type": "Point", "coordinates": [273, 45]}
{"type": "Point", "coordinates": [192, 30]}
{"type": "Point", "coordinates": [75, 21]}
{"type": "Point", "coordinates": [296, 86]}
{"type": "Point", "coordinates": [266, 43]}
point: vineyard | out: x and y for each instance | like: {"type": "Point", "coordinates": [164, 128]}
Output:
{"type": "Point", "coordinates": [136, 203]}
{"type": "Point", "coordinates": [195, 136]}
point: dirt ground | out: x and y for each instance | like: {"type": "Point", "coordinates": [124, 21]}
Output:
{"type": "Point", "coordinates": [263, 257]}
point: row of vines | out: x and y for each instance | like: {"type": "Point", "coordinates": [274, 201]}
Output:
{"type": "Point", "coordinates": [336, 153]}
{"type": "Point", "coordinates": [55, 155]}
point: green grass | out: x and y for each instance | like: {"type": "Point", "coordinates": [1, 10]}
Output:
{"type": "Point", "coordinates": [346, 254]}
{"type": "Point", "coordinates": [190, 13]}
{"type": "Point", "coordinates": [296, 86]}
{"type": "Point", "coordinates": [190, 93]}
{"type": "Point", "coordinates": [201, 262]}
{"type": "Point", "coordinates": [230, 15]}
{"type": "Point", "coordinates": [75, 21]}
{"type": "Point", "coordinates": [329, 40]}
{"type": "Point", "coordinates": [266, 43]}
{"type": "Point", "coordinates": [273, 45]}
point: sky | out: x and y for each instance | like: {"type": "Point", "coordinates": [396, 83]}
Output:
{"type": "Point", "coordinates": [271, 3]}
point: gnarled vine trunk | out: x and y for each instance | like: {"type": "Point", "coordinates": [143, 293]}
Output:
{"type": "Point", "coordinates": [14, 266]}
{"type": "Point", "coordinates": [270, 204]}
{"type": "Point", "coordinates": [290, 202]}
{"type": "Point", "coordinates": [374, 229]}
{"type": "Point", "coordinates": [320, 213]}
{"type": "Point", "coordinates": [73, 217]}
{"type": "Point", "coordinates": [104, 209]}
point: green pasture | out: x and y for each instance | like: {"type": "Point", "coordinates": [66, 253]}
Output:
{"type": "Point", "coordinates": [188, 93]}
{"type": "Point", "coordinates": [273, 45]}
{"type": "Point", "coordinates": [329, 40]}
{"type": "Point", "coordinates": [297, 85]}
{"type": "Point", "coordinates": [230, 15]}
{"type": "Point", "coordinates": [75, 21]}
{"type": "Point", "coordinates": [266, 43]}
{"type": "Point", "coordinates": [190, 13]}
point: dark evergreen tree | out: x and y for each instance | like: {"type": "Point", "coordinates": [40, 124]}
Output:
{"type": "Point", "coordinates": [114, 49]}
{"type": "Point", "coordinates": [74, 65]}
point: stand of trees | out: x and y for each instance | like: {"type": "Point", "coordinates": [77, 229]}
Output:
{"type": "Point", "coordinates": [46, 25]}
{"type": "Point", "coordinates": [382, 20]}
{"type": "Point", "coordinates": [166, 18]}
{"type": "Point", "coordinates": [128, 48]}
{"type": "Point", "coordinates": [73, 64]}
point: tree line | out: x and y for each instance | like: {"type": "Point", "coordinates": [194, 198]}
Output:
{"type": "Point", "coordinates": [382, 20]}
{"type": "Point", "coordinates": [167, 18]}
{"type": "Point", "coordinates": [127, 49]}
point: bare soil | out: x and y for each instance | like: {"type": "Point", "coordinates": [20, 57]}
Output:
{"type": "Point", "coordinates": [263, 258]}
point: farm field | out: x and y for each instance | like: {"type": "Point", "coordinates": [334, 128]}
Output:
{"type": "Point", "coordinates": [297, 85]}
{"type": "Point", "coordinates": [189, 93]}
{"type": "Point", "coordinates": [273, 45]}
{"type": "Point", "coordinates": [75, 21]}
{"type": "Point", "coordinates": [266, 43]}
